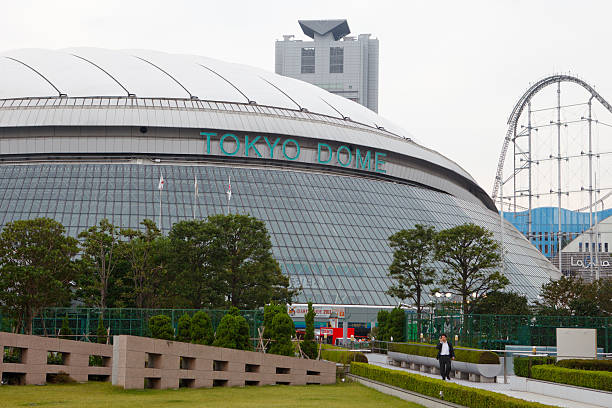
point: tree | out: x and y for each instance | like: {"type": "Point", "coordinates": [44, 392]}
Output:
{"type": "Point", "coordinates": [282, 332]}
{"type": "Point", "coordinates": [36, 268]}
{"type": "Point", "coordinates": [471, 256]}
{"type": "Point", "coordinates": [502, 303]}
{"type": "Point", "coordinates": [101, 331]}
{"type": "Point", "coordinates": [183, 329]}
{"type": "Point", "coordinates": [309, 346]}
{"type": "Point", "coordinates": [140, 250]}
{"type": "Point", "coordinates": [65, 332]}
{"type": "Point", "coordinates": [201, 329]}
{"type": "Point", "coordinates": [195, 284]}
{"type": "Point", "coordinates": [241, 255]}
{"type": "Point", "coordinates": [270, 311]}
{"type": "Point", "coordinates": [395, 325]}
{"type": "Point", "coordinates": [571, 296]}
{"type": "Point", "coordinates": [99, 244]}
{"type": "Point", "coordinates": [383, 325]}
{"type": "Point", "coordinates": [233, 331]}
{"type": "Point", "coordinates": [411, 267]}
{"type": "Point", "coordinates": [161, 327]}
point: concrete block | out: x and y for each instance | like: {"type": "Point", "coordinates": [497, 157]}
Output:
{"type": "Point", "coordinates": [201, 382]}
{"type": "Point", "coordinates": [35, 378]}
{"type": "Point", "coordinates": [35, 356]}
{"type": "Point", "coordinates": [202, 364]}
{"type": "Point", "coordinates": [170, 362]}
{"type": "Point", "coordinates": [134, 359]}
{"type": "Point", "coordinates": [487, 379]}
{"type": "Point", "coordinates": [414, 366]}
{"type": "Point", "coordinates": [434, 370]}
{"type": "Point", "coordinates": [169, 382]}
{"type": "Point", "coordinates": [474, 377]}
{"type": "Point", "coordinates": [460, 375]}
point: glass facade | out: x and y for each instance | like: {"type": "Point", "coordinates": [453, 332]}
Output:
{"type": "Point", "coordinates": [308, 60]}
{"type": "Point", "coordinates": [329, 232]}
{"type": "Point", "coordinates": [336, 60]}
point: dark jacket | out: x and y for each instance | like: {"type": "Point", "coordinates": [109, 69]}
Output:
{"type": "Point", "coordinates": [451, 350]}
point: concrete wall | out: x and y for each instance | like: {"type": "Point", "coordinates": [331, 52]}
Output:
{"type": "Point", "coordinates": [170, 364]}
{"type": "Point", "coordinates": [33, 367]}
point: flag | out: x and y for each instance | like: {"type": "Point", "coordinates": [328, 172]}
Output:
{"type": "Point", "coordinates": [229, 189]}
{"type": "Point", "coordinates": [161, 182]}
{"type": "Point", "coordinates": [195, 184]}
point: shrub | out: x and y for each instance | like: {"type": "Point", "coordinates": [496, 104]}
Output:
{"type": "Point", "coordinates": [383, 325]}
{"type": "Point", "coordinates": [11, 355]}
{"type": "Point", "coordinates": [592, 365]}
{"type": "Point", "coordinates": [183, 329]}
{"type": "Point", "coordinates": [270, 311]}
{"type": "Point", "coordinates": [395, 325]}
{"type": "Point", "coordinates": [281, 333]}
{"type": "Point", "coordinates": [59, 378]}
{"type": "Point", "coordinates": [96, 361]}
{"type": "Point", "coordinates": [233, 331]}
{"type": "Point", "coordinates": [521, 364]}
{"type": "Point", "coordinates": [458, 394]}
{"type": "Point", "coordinates": [461, 354]}
{"type": "Point", "coordinates": [55, 358]}
{"type": "Point", "coordinates": [308, 346]}
{"type": "Point", "coordinates": [201, 329]}
{"type": "Point", "coordinates": [65, 332]}
{"type": "Point", "coordinates": [161, 327]}
{"type": "Point", "coordinates": [343, 356]}
{"type": "Point", "coordinates": [101, 331]}
{"type": "Point", "coordinates": [599, 380]}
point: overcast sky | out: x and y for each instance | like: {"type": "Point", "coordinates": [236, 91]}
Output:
{"type": "Point", "coordinates": [450, 71]}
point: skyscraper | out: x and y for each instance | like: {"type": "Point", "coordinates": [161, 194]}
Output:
{"type": "Point", "coordinates": [339, 63]}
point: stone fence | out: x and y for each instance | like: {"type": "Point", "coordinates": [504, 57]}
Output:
{"type": "Point", "coordinates": [140, 362]}
{"type": "Point", "coordinates": [36, 360]}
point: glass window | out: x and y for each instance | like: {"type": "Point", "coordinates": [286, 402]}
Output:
{"type": "Point", "coordinates": [308, 60]}
{"type": "Point", "coordinates": [336, 60]}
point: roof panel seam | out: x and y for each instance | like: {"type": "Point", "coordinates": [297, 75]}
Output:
{"type": "Point", "coordinates": [226, 80]}
{"type": "Point", "coordinates": [191, 96]}
{"type": "Point", "coordinates": [106, 72]}
{"type": "Point", "coordinates": [41, 75]}
{"type": "Point", "coordinates": [284, 93]}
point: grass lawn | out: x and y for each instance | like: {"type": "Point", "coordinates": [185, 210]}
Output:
{"type": "Point", "coordinates": [103, 395]}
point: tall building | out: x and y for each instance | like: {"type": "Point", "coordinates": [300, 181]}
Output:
{"type": "Point", "coordinates": [339, 63]}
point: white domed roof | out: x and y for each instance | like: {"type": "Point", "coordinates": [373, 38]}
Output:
{"type": "Point", "coordinates": [101, 73]}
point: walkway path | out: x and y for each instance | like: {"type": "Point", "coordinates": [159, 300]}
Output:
{"type": "Point", "coordinates": [381, 360]}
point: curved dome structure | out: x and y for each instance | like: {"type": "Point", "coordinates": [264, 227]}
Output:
{"type": "Point", "coordinates": [85, 133]}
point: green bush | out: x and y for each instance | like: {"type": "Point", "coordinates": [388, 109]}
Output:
{"type": "Point", "coordinates": [592, 365]}
{"type": "Point", "coordinates": [233, 331]}
{"type": "Point", "coordinates": [458, 394]}
{"type": "Point", "coordinates": [60, 378]}
{"type": "Point", "coordinates": [201, 329]}
{"type": "Point", "coordinates": [599, 380]}
{"type": "Point", "coordinates": [308, 346]}
{"type": "Point", "coordinates": [183, 329]}
{"type": "Point", "coordinates": [382, 330]}
{"type": "Point", "coordinates": [101, 331]}
{"type": "Point", "coordinates": [396, 325]}
{"type": "Point", "coordinates": [461, 354]}
{"type": "Point", "coordinates": [65, 332]}
{"type": "Point", "coordinates": [343, 356]}
{"type": "Point", "coordinates": [96, 361]}
{"type": "Point", "coordinates": [55, 358]}
{"type": "Point", "coordinates": [521, 364]}
{"type": "Point", "coordinates": [11, 355]}
{"type": "Point", "coordinates": [161, 327]}
{"type": "Point", "coordinates": [281, 332]}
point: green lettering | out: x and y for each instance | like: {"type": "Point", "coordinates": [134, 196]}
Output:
{"type": "Point", "coordinates": [329, 149]}
{"type": "Point", "coordinates": [379, 162]}
{"type": "Point", "coordinates": [297, 146]}
{"type": "Point", "coordinates": [366, 161]}
{"type": "Point", "coordinates": [235, 140]}
{"type": "Point", "coordinates": [348, 152]}
{"type": "Point", "coordinates": [250, 145]}
{"type": "Point", "coordinates": [271, 146]}
{"type": "Point", "coordinates": [208, 135]}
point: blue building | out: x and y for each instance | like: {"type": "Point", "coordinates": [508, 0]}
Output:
{"type": "Point", "coordinates": [544, 225]}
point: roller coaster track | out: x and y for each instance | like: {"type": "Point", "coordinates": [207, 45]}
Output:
{"type": "Point", "coordinates": [520, 106]}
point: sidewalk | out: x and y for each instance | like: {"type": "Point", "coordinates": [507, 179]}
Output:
{"type": "Point", "coordinates": [381, 360]}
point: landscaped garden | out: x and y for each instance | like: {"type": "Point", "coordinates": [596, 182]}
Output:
{"type": "Point", "coordinates": [95, 395]}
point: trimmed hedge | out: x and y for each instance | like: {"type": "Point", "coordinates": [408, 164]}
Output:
{"type": "Point", "coordinates": [592, 365]}
{"type": "Point", "coordinates": [343, 356]}
{"type": "Point", "coordinates": [458, 394]}
{"type": "Point", "coordinates": [521, 364]}
{"type": "Point", "coordinates": [461, 354]}
{"type": "Point", "coordinates": [599, 380]}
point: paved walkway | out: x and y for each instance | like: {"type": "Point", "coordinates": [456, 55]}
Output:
{"type": "Point", "coordinates": [381, 360]}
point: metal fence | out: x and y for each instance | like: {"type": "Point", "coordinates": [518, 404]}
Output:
{"type": "Point", "coordinates": [494, 332]}
{"type": "Point", "coordinates": [83, 322]}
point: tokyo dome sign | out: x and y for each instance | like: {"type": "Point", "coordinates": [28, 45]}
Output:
{"type": "Point", "coordinates": [231, 144]}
